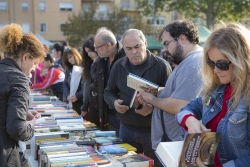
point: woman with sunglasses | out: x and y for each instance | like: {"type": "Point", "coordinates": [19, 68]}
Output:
{"type": "Point", "coordinates": [70, 58]}
{"type": "Point", "coordinates": [224, 105]}
{"type": "Point", "coordinates": [90, 104]}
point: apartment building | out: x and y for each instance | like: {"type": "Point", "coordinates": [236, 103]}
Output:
{"type": "Point", "coordinates": [45, 17]}
{"type": "Point", "coordinates": [39, 16]}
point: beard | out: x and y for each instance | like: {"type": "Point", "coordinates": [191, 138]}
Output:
{"type": "Point", "coordinates": [176, 57]}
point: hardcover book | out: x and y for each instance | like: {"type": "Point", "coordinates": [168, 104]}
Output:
{"type": "Point", "coordinates": [184, 153]}
{"type": "Point", "coordinates": [137, 83]}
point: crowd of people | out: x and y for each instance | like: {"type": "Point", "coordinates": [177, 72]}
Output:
{"type": "Point", "coordinates": [206, 90]}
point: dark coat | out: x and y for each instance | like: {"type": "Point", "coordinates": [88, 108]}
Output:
{"type": "Point", "coordinates": [154, 69]}
{"type": "Point", "coordinates": [103, 70]}
{"type": "Point", "coordinates": [14, 97]}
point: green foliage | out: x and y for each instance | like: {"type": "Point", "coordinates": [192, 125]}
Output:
{"type": "Point", "coordinates": [80, 26]}
{"type": "Point", "coordinates": [210, 11]}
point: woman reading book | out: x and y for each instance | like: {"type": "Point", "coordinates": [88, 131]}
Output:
{"type": "Point", "coordinates": [23, 52]}
{"type": "Point", "coordinates": [224, 105]}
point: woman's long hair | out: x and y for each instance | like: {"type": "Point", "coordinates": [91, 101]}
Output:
{"type": "Point", "coordinates": [233, 41]}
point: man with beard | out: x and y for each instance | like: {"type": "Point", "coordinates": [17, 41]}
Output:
{"type": "Point", "coordinates": [180, 39]}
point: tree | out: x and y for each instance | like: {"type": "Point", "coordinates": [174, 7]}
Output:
{"type": "Point", "coordinates": [208, 10]}
{"type": "Point", "coordinates": [80, 26]}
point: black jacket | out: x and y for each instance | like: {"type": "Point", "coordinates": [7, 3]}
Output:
{"type": "Point", "coordinates": [14, 97]}
{"type": "Point", "coordinates": [103, 70]}
{"type": "Point", "coordinates": [153, 69]}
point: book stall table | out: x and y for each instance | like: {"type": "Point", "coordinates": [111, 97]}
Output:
{"type": "Point", "coordinates": [62, 137]}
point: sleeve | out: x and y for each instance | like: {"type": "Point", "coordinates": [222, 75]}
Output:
{"type": "Point", "coordinates": [111, 91]}
{"type": "Point", "coordinates": [167, 70]}
{"type": "Point", "coordinates": [194, 107]}
{"type": "Point", "coordinates": [188, 84]}
{"type": "Point", "coordinates": [66, 88]}
{"type": "Point", "coordinates": [79, 93]}
{"type": "Point", "coordinates": [86, 91]}
{"type": "Point", "coordinates": [51, 78]}
{"type": "Point", "coordinates": [17, 111]}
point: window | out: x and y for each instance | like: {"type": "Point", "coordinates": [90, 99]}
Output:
{"type": "Point", "coordinates": [62, 26]}
{"type": "Point", "coordinates": [26, 27]}
{"type": "Point", "coordinates": [42, 6]}
{"type": "Point", "coordinates": [3, 5]}
{"type": "Point", "coordinates": [43, 27]}
{"type": "Point", "coordinates": [103, 11]}
{"type": "Point", "coordinates": [158, 21]}
{"type": "Point", "coordinates": [125, 4]}
{"type": "Point", "coordinates": [66, 6]}
{"type": "Point", "coordinates": [25, 6]}
{"type": "Point", "coordinates": [86, 7]}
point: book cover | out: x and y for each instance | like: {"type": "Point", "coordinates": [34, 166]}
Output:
{"type": "Point", "coordinates": [184, 153]}
{"type": "Point", "coordinates": [112, 149]}
{"type": "Point", "coordinates": [107, 140]}
{"type": "Point", "coordinates": [127, 146]}
{"type": "Point", "coordinates": [137, 83]}
{"type": "Point", "coordinates": [135, 160]}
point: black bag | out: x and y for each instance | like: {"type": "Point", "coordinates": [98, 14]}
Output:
{"type": "Point", "coordinates": [94, 96]}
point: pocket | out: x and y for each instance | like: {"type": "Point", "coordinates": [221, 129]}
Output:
{"type": "Point", "coordinates": [238, 125]}
{"type": "Point", "coordinates": [11, 161]}
{"type": "Point", "coordinates": [94, 96]}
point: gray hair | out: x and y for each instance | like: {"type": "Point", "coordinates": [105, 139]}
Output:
{"type": "Point", "coordinates": [107, 35]}
{"type": "Point", "coordinates": [134, 31]}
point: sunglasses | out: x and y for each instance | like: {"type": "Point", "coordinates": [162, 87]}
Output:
{"type": "Point", "coordinates": [222, 65]}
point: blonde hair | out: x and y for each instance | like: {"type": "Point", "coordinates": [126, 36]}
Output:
{"type": "Point", "coordinates": [233, 41]}
{"type": "Point", "coordinates": [14, 44]}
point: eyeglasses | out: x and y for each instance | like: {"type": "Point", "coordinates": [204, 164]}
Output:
{"type": "Point", "coordinates": [165, 43]}
{"type": "Point", "coordinates": [222, 65]}
{"type": "Point", "coordinates": [97, 47]}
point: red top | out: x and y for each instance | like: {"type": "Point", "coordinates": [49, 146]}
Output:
{"type": "Point", "coordinates": [213, 123]}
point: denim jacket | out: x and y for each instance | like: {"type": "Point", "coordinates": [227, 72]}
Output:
{"type": "Point", "coordinates": [234, 146]}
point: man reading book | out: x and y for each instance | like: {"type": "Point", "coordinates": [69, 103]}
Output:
{"type": "Point", "coordinates": [135, 127]}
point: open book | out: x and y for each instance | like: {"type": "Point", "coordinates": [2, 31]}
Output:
{"type": "Point", "coordinates": [137, 83]}
{"type": "Point", "coordinates": [184, 153]}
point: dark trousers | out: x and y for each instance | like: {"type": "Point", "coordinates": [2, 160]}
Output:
{"type": "Point", "coordinates": [114, 123]}
{"type": "Point", "coordinates": [141, 140]}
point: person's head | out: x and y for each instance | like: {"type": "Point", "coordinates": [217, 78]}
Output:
{"type": "Point", "coordinates": [25, 49]}
{"type": "Point", "coordinates": [48, 61]}
{"type": "Point", "coordinates": [71, 57]}
{"type": "Point", "coordinates": [57, 50]}
{"type": "Point", "coordinates": [46, 47]}
{"type": "Point", "coordinates": [227, 60]}
{"type": "Point", "coordinates": [135, 46]}
{"type": "Point", "coordinates": [105, 43]}
{"type": "Point", "coordinates": [177, 38]}
{"type": "Point", "coordinates": [89, 55]}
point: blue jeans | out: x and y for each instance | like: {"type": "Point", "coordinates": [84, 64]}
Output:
{"type": "Point", "coordinates": [141, 140]}
{"type": "Point", "coordinates": [114, 123]}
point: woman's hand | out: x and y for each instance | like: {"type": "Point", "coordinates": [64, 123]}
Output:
{"type": "Point", "coordinates": [195, 126]}
{"type": "Point", "coordinates": [84, 113]}
{"type": "Point", "coordinates": [31, 114]}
